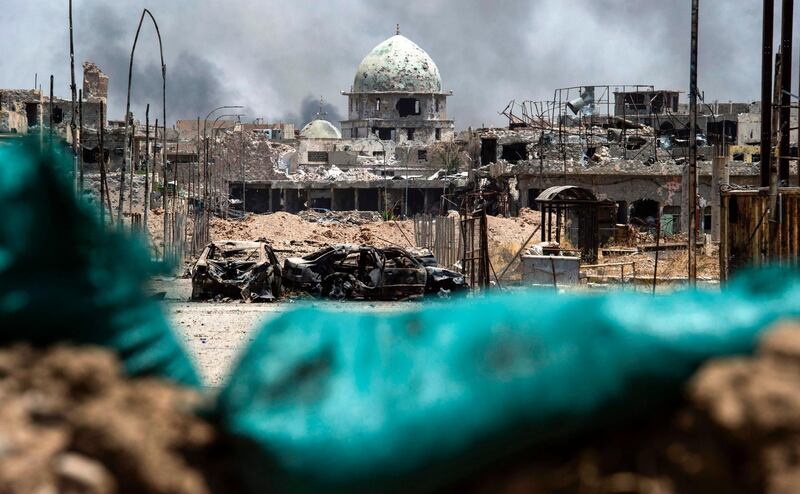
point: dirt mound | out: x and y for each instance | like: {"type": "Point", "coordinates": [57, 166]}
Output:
{"type": "Point", "coordinates": [70, 422]}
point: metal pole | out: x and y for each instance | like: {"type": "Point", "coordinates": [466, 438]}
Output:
{"type": "Point", "coordinates": [766, 91]}
{"type": "Point", "coordinates": [658, 241]}
{"type": "Point", "coordinates": [133, 166]}
{"type": "Point", "coordinates": [241, 163]}
{"type": "Point", "coordinates": [126, 158]}
{"type": "Point", "coordinates": [72, 88]}
{"type": "Point", "coordinates": [102, 168]}
{"type": "Point", "coordinates": [787, 7]}
{"type": "Point", "coordinates": [80, 134]}
{"type": "Point", "coordinates": [146, 167]}
{"type": "Point", "coordinates": [50, 131]}
{"type": "Point", "coordinates": [692, 185]}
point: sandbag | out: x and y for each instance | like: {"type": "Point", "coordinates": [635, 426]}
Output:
{"type": "Point", "coordinates": [63, 277]}
{"type": "Point", "coordinates": [348, 402]}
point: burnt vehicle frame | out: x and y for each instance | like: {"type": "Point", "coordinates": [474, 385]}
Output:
{"type": "Point", "coordinates": [347, 271]}
{"type": "Point", "coordinates": [237, 269]}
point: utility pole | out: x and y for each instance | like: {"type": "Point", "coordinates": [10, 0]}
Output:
{"type": "Point", "coordinates": [692, 185]}
{"type": "Point", "coordinates": [766, 91]}
{"type": "Point", "coordinates": [72, 88]}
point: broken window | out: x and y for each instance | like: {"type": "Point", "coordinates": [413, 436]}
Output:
{"type": "Point", "coordinates": [436, 103]}
{"type": "Point", "coordinates": [644, 213]}
{"type": "Point", "coordinates": [31, 109]}
{"type": "Point", "coordinates": [670, 220]}
{"type": "Point", "coordinates": [383, 133]}
{"type": "Point", "coordinates": [488, 151]}
{"type": "Point", "coordinates": [438, 134]}
{"type": "Point", "coordinates": [378, 153]}
{"type": "Point", "coordinates": [657, 102]}
{"type": "Point", "coordinates": [354, 132]}
{"type": "Point", "coordinates": [422, 155]}
{"type": "Point", "coordinates": [515, 151]}
{"type": "Point", "coordinates": [410, 134]}
{"type": "Point", "coordinates": [707, 219]}
{"type": "Point", "coordinates": [317, 156]}
{"type": "Point", "coordinates": [58, 115]}
{"type": "Point", "coordinates": [407, 106]}
{"type": "Point", "coordinates": [634, 101]}
{"type": "Point", "coordinates": [234, 254]}
{"type": "Point", "coordinates": [91, 155]}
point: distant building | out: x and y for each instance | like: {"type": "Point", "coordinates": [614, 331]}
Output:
{"type": "Point", "coordinates": [397, 95]}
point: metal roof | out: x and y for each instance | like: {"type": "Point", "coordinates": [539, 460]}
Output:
{"type": "Point", "coordinates": [566, 193]}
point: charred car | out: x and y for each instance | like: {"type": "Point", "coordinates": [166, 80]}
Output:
{"type": "Point", "coordinates": [237, 269]}
{"type": "Point", "coordinates": [364, 272]}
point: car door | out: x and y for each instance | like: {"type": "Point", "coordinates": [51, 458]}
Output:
{"type": "Point", "coordinates": [402, 276]}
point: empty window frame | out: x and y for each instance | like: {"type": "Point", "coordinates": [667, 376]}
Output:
{"type": "Point", "coordinates": [408, 107]}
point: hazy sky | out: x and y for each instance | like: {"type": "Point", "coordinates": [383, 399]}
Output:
{"type": "Point", "coordinates": [278, 58]}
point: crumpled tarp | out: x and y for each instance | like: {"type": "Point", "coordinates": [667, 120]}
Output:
{"type": "Point", "coordinates": [354, 402]}
{"type": "Point", "coordinates": [65, 278]}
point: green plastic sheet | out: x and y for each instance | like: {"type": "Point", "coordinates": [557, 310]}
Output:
{"type": "Point", "coordinates": [63, 277]}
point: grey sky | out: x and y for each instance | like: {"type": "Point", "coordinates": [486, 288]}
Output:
{"type": "Point", "coordinates": [277, 58]}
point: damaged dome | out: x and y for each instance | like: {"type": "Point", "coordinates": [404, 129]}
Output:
{"type": "Point", "coordinates": [320, 129]}
{"type": "Point", "coordinates": [398, 64]}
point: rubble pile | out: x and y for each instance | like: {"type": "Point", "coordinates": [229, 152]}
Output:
{"type": "Point", "coordinates": [70, 422]}
{"type": "Point", "coordinates": [299, 234]}
{"type": "Point", "coordinates": [340, 217]}
{"type": "Point", "coordinates": [333, 174]}
{"type": "Point", "coordinates": [261, 157]}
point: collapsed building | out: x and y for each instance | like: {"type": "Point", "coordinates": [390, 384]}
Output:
{"type": "Point", "coordinates": [397, 150]}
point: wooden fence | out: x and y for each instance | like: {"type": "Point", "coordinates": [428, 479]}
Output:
{"type": "Point", "coordinates": [441, 235]}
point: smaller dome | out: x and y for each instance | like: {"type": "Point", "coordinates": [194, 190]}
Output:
{"type": "Point", "coordinates": [320, 129]}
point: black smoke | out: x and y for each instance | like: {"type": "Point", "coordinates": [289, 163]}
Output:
{"type": "Point", "coordinates": [309, 109]}
{"type": "Point", "coordinates": [275, 58]}
{"type": "Point", "coordinates": [194, 84]}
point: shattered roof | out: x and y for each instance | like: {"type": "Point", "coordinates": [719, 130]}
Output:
{"type": "Point", "coordinates": [398, 64]}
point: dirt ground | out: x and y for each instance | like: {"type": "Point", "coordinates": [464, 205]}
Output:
{"type": "Point", "coordinates": [214, 333]}
{"type": "Point", "coordinates": [71, 423]}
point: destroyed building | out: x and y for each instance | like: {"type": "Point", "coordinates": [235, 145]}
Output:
{"type": "Point", "coordinates": [397, 94]}
{"type": "Point", "coordinates": [397, 151]}
{"type": "Point", "coordinates": [628, 147]}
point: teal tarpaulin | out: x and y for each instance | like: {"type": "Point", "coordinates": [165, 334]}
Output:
{"type": "Point", "coordinates": [332, 402]}
{"type": "Point", "coordinates": [65, 278]}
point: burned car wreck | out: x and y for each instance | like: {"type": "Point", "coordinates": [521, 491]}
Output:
{"type": "Point", "coordinates": [364, 272]}
{"type": "Point", "coordinates": [237, 269]}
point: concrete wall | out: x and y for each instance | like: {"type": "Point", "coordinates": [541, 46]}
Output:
{"type": "Point", "coordinates": [12, 122]}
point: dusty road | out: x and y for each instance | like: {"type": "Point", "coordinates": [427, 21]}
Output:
{"type": "Point", "coordinates": [215, 333]}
